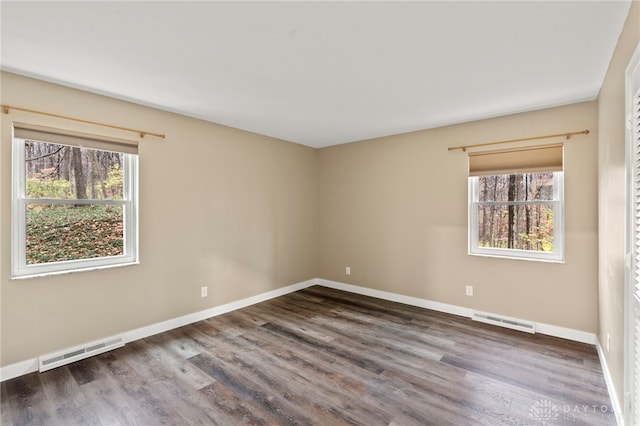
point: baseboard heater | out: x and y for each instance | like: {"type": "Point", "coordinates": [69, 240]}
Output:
{"type": "Point", "coordinates": [513, 323]}
{"type": "Point", "coordinates": [67, 356]}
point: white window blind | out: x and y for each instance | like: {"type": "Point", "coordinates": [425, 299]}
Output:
{"type": "Point", "coordinates": [71, 138]}
{"type": "Point", "coordinates": [635, 294]}
{"type": "Point", "coordinates": [632, 245]}
{"type": "Point", "coordinates": [542, 158]}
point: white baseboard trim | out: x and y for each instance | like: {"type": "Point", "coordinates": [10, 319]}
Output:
{"type": "Point", "coordinates": [550, 330]}
{"type": "Point", "coordinates": [18, 369]}
{"type": "Point", "coordinates": [31, 365]}
{"type": "Point", "coordinates": [394, 297]}
{"type": "Point", "coordinates": [615, 405]}
{"type": "Point", "coordinates": [160, 327]}
{"type": "Point", "coordinates": [566, 333]}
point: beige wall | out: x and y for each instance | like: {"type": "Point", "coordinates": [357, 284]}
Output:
{"type": "Point", "coordinates": [245, 214]}
{"type": "Point", "coordinates": [395, 210]}
{"type": "Point", "coordinates": [611, 187]}
{"type": "Point", "coordinates": [219, 207]}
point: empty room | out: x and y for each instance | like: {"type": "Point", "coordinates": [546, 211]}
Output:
{"type": "Point", "coordinates": [319, 212]}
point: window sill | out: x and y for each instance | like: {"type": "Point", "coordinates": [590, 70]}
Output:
{"type": "Point", "coordinates": [515, 257]}
{"type": "Point", "coordinates": [72, 271]}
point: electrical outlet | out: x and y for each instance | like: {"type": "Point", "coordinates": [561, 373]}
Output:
{"type": "Point", "coordinates": [469, 290]}
{"type": "Point", "coordinates": [203, 291]}
{"type": "Point", "coordinates": [347, 270]}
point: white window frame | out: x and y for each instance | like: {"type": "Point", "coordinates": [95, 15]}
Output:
{"type": "Point", "coordinates": [557, 255]}
{"type": "Point", "coordinates": [20, 268]}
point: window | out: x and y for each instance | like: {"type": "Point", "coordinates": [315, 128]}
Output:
{"type": "Point", "coordinates": [74, 202]}
{"type": "Point", "coordinates": [515, 203]}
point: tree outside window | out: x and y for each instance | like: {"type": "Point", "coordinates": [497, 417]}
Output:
{"type": "Point", "coordinates": [517, 215]}
{"type": "Point", "coordinates": [74, 207]}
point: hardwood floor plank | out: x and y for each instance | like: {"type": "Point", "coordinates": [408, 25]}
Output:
{"type": "Point", "coordinates": [231, 408]}
{"type": "Point", "coordinates": [27, 401]}
{"type": "Point", "coordinates": [355, 359]}
{"type": "Point", "coordinates": [85, 371]}
{"type": "Point", "coordinates": [335, 378]}
{"type": "Point", "coordinates": [241, 379]}
{"type": "Point", "coordinates": [173, 381]}
{"type": "Point", "coordinates": [322, 356]}
{"type": "Point", "coordinates": [108, 403]}
{"type": "Point", "coordinates": [69, 403]}
{"type": "Point", "coordinates": [136, 389]}
{"type": "Point", "coordinates": [155, 365]}
{"type": "Point", "coordinates": [5, 411]}
{"type": "Point", "coordinates": [296, 376]}
{"type": "Point", "coordinates": [185, 404]}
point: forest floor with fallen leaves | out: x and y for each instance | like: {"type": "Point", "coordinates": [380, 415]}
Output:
{"type": "Point", "coordinates": [59, 233]}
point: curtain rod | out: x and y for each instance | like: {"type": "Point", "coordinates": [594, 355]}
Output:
{"type": "Point", "coordinates": [142, 133]}
{"type": "Point", "coordinates": [566, 135]}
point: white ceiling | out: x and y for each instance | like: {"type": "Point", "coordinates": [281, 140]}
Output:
{"type": "Point", "coordinates": [320, 73]}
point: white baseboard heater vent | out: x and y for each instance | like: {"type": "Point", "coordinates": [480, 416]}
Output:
{"type": "Point", "coordinates": [58, 359]}
{"type": "Point", "coordinates": [513, 323]}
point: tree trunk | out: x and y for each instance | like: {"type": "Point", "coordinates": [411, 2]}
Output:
{"type": "Point", "coordinates": [66, 164]}
{"type": "Point", "coordinates": [79, 180]}
{"type": "Point", "coordinates": [511, 213]}
{"type": "Point", "coordinates": [527, 212]}
{"type": "Point", "coordinates": [492, 214]}
{"type": "Point", "coordinates": [485, 213]}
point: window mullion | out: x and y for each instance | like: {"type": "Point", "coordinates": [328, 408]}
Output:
{"type": "Point", "coordinates": [74, 202]}
{"type": "Point", "coordinates": [515, 203]}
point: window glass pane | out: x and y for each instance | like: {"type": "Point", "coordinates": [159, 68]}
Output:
{"type": "Point", "coordinates": [516, 187]}
{"type": "Point", "coordinates": [65, 232]}
{"type": "Point", "coordinates": [522, 227]}
{"type": "Point", "coordinates": [72, 173]}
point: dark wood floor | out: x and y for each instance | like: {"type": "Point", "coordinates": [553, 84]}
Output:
{"type": "Point", "coordinates": [325, 357]}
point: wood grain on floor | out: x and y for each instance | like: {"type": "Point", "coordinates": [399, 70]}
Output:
{"type": "Point", "coordinates": [323, 357]}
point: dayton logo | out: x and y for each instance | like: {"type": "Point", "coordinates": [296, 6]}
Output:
{"type": "Point", "coordinates": [544, 410]}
